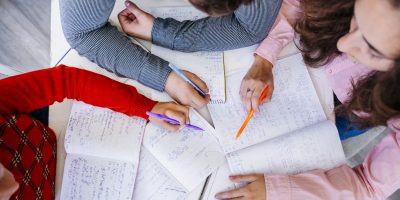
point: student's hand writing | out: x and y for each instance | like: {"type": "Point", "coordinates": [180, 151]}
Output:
{"type": "Point", "coordinates": [172, 110]}
{"type": "Point", "coordinates": [254, 82]}
{"type": "Point", "coordinates": [185, 93]}
{"type": "Point", "coordinates": [136, 22]}
{"type": "Point", "coordinates": [255, 190]}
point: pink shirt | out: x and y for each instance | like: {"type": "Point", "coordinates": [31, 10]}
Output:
{"type": "Point", "coordinates": [377, 178]}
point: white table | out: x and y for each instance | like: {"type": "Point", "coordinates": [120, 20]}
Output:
{"type": "Point", "coordinates": [60, 52]}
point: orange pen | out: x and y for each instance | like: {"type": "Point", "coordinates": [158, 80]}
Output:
{"type": "Point", "coordinates": [263, 95]}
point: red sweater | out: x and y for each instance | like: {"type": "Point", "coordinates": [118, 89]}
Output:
{"type": "Point", "coordinates": [28, 92]}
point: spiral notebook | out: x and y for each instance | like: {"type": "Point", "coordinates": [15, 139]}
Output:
{"type": "Point", "coordinates": [209, 66]}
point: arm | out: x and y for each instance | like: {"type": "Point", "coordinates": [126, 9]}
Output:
{"type": "Point", "coordinates": [376, 178]}
{"type": "Point", "coordinates": [86, 28]}
{"type": "Point", "coordinates": [27, 92]}
{"type": "Point", "coordinates": [282, 32]}
{"type": "Point", "coordinates": [246, 26]}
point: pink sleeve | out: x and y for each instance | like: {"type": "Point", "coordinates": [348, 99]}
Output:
{"type": "Point", "coordinates": [281, 33]}
{"type": "Point", "coordinates": [376, 178]}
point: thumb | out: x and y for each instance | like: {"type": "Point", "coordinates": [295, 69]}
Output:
{"type": "Point", "coordinates": [133, 8]}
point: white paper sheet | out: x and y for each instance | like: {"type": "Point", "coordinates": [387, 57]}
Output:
{"type": "Point", "coordinates": [87, 177]}
{"type": "Point", "coordinates": [218, 182]}
{"type": "Point", "coordinates": [189, 155]}
{"type": "Point", "coordinates": [209, 66]}
{"type": "Point", "coordinates": [294, 105]}
{"type": "Point", "coordinates": [154, 182]}
{"type": "Point", "coordinates": [315, 147]}
{"type": "Point", "coordinates": [103, 149]}
{"type": "Point", "coordinates": [102, 132]}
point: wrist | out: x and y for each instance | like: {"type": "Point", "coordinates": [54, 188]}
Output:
{"type": "Point", "coordinates": [263, 62]}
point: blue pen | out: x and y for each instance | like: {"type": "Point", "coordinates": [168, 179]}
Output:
{"type": "Point", "coordinates": [182, 75]}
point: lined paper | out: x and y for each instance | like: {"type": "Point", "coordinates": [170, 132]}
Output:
{"type": "Point", "coordinates": [189, 155]}
{"type": "Point", "coordinates": [294, 105]}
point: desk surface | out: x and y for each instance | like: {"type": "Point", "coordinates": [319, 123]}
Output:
{"type": "Point", "coordinates": [59, 112]}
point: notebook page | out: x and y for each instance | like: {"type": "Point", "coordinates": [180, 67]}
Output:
{"type": "Point", "coordinates": [154, 182]}
{"type": "Point", "coordinates": [104, 133]}
{"type": "Point", "coordinates": [218, 182]}
{"type": "Point", "coordinates": [87, 177]}
{"type": "Point", "coordinates": [189, 155]}
{"type": "Point", "coordinates": [315, 147]}
{"type": "Point", "coordinates": [294, 105]}
{"type": "Point", "coordinates": [209, 66]}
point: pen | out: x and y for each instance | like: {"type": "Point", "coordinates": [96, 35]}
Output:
{"type": "Point", "coordinates": [262, 96]}
{"type": "Point", "coordinates": [172, 121]}
{"type": "Point", "coordinates": [182, 75]}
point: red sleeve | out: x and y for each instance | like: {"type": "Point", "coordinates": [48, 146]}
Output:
{"type": "Point", "coordinates": [27, 92]}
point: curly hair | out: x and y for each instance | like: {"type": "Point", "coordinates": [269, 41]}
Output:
{"type": "Point", "coordinates": [218, 7]}
{"type": "Point", "coordinates": [377, 95]}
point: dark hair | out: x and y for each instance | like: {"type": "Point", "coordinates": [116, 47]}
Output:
{"type": "Point", "coordinates": [218, 7]}
{"type": "Point", "coordinates": [376, 97]}
{"type": "Point", "coordinates": [324, 22]}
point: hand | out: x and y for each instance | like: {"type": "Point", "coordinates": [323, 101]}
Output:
{"type": "Point", "coordinates": [136, 22]}
{"type": "Point", "coordinates": [185, 93]}
{"type": "Point", "coordinates": [255, 81]}
{"type": "Point", "coordinates": [172, 110]}
{"type": "Point", "coordinates": [255, 190]}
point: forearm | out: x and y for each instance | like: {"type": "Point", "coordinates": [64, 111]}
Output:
{"type": "Point", "coordinates": [93, 37]}
{"type": "Point", "coordinates": [247, 26]}
{"type": "Point", "coordinates": [34, 90]}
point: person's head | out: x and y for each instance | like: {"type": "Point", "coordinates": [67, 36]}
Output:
{"type": "Point", "coordinates": [368, 32]}
{"type": "Point", "coordinates": [218, 7]}
{"type": "Point", "coordinates": [374, 35]}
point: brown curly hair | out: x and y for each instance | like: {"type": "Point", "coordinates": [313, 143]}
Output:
{"type": "Point", "coordinates": [377, 94]}
{"type": "Point", "coordinates": [218, 7]}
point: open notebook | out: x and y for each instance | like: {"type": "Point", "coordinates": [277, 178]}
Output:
{"type": "Point", "coordinates": [291, 134]}
{"type": "Point", "coordinates": [209, 66]}
{"type": "Point", "coordinates": [103, 150]}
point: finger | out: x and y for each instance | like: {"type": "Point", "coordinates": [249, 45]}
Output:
{"type": "Point", "coordinates": [241, 192]}
{"type": "Point", "coordinates": [164, 124]}
{"type": "Point", "coordinates": [244, 178]}
{"type": "Point", "coordinates": [248, 100]}
{"type": "Point", "coordinates": [243, 90]}
{"type": "Point", "coordinates": [255, 97]}
{"type": "Point", "coordinates": [196, 80]}
{"type": "Point", "coordinates": [198, 101]}
{"type": "Point", "coordinates": [180, 117]}
{"type": "Point", "coordinates": [270, 92]}
{"type": "Point", "coordinates": [134, 9]}
{"type": "Point", "coordinates": [123, 16]}
{"type": "Point", "coordinates": [184, 110]}
{"type": "Point", "coordinates": [238, 198]}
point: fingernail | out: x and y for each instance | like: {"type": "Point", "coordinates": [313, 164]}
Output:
{"type": "Point", "coordinates": [217, 196]}
{"type": "Point", "coordinates": [231, 177]}
{"type": "Point", "coordinates": [128, 3]}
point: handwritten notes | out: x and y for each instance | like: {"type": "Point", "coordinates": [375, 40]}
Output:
{"type": "Point", "coordinates": [154, 182]}
{"type": "Point", "coordinates": [102, 132]}
{"type": "Point", "coordinates": [314, 147]}
{"type": "Point", "coordinates": [189, 155]}
{"type": "Point", "coordinates": [102, 153]}
{"type": "Point", "coordinates": [294, 105]}
{"type": "Point", "coordinates": [209, 66]}
{"type": "Point", "coordinates": [87, 177]}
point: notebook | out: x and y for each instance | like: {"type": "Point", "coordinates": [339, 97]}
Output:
{"type": "Point", "coordinates": [291, 134]}
{"type": "Point", "coordinates": [105, 148]}
{"type": "Point", "coordinates": [209, 66]}
{"type": "Point", "coordinates": [102, 149]}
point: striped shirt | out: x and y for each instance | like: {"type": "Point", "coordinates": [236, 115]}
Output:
{"type": "Point", "coordinates": [87, 30]}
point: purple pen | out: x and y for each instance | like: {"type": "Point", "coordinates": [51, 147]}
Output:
{"type": "Point", "coordinates": [172, 121]}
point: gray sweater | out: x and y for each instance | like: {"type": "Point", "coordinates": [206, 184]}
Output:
{"type": "Point", "coordinates": [86, 28]}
